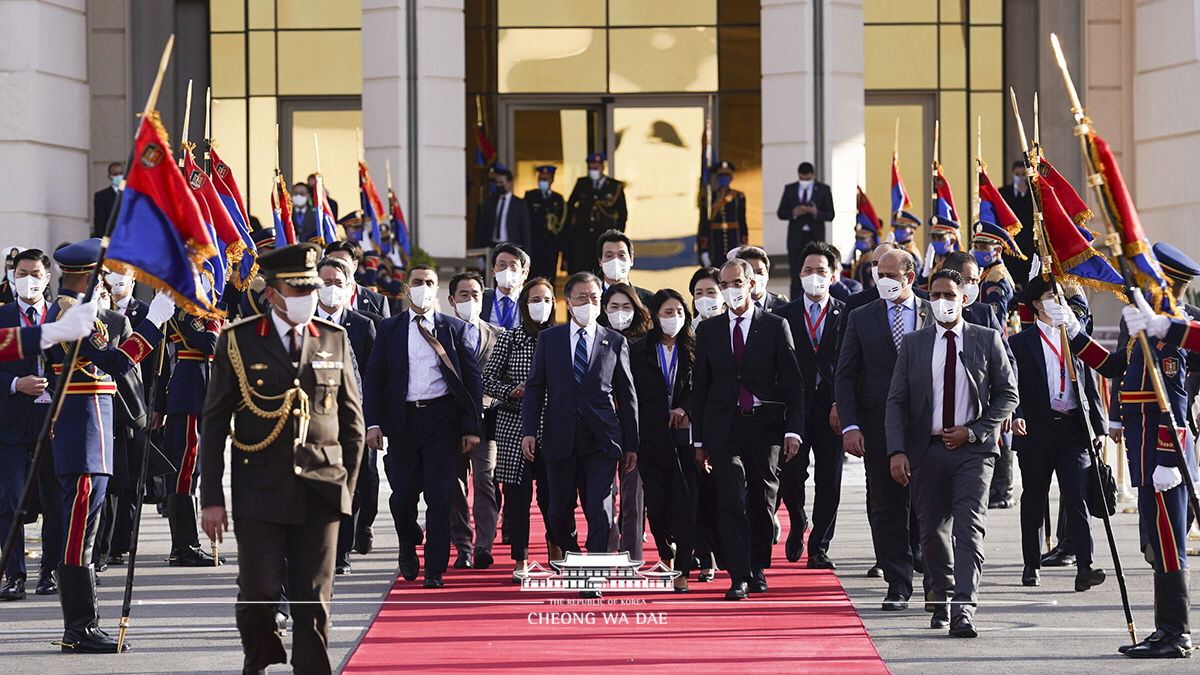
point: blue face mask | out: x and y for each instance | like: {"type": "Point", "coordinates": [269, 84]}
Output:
{"type": "Point", "coordinates": [493, 188]}
{"type": "Point", "coordinates": [724, 181]}
{"type": "Point", "coordinates": [903, 235]}
{"type": "Point", "coordinates": [862, 245]}
{"type": "Point", "coordinates": [983, 258]}
{"type": "Point", "coordinates": [942, 247]}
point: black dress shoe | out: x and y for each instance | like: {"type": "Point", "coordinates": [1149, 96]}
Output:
{"type": "Point", "coordinates": [737, 591]}
{"type": "Point", "coordinates": [706, 577]}
{"type": "Point", "coordinates": [364, 540]}
{"type": "Point", "coordinates": [13, 589]}
{"type": "Point", "coordinates": [590, 594]}
{"type": "Point", "coordinates": [876, 572]}
{"type": "Point", "coordinates": [46, 584]}
{"type": "Point", "coordinates": [192, 556]}
{"type": "Point", "coordinates": [1156, 636]}
{"type": "Point", "coordinates": [463, 561]}
{"type": "Point", "coordinates": [1031, 576]}
{"type": "Point", "coordinates": [434, 580]}
{"type": "Point", "coordinates": [343, 564]}
{"type": "Point", "coordinates": [1057, 557]}
{"type": "Point", "coordinates": [1000, 504]}
{"type": "Point", "coordinates": [963, 628]}
{"type": "Point", "coordinates": [939, 621]}
{"type": "Point", "coordinates": [483, 559]}
{"type": "Point", "coordinates": [1087, 578]}
{"type": "Point", "coordinates": [281, 620]}
{"type": "Point", "coordinates": [1169, 647]}
{"type": "Point", "coordinates": [116, 559]}
{"type": "Point", "coordinates": [101, 567]}
{"type": "Point", "coordinates": [410, 565]}
{"type": "Point", "coordinates": [894, 602]}
{"type": "Point", "coordinates": [777, 533]}
{"type": "Point", "coordinates": [757, 583]}
{"type": "Point", "coordinates": [817, 560]}
{"type": "Point", "coordinates": [793, 548]}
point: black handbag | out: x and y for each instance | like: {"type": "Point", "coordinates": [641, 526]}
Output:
{"type": "Point", "coordinates": [1103, 495]}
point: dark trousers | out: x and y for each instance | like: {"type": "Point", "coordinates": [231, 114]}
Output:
{"type": "Point", "coordinates": [746, 472]}
{"type": "Point", "coordinates": [50, 488]}
{"type": "Point", "coordinates": [518, 500]}
{"type": "Point", "coordinates": [474, 473]}
{"type": "Point", "coordinates": [270, 555]}
{"type": "Point", "coordinates": [671, 481]}
{"type": "Point", "coordinates": [892, 530]}
{"type": "Point", "coordinates": [366, 502]}
{"type": "Point", "coordinates": [1060, 448]}
{"type": "Point", "coordinates": [709, 554]}
{"type": "Point", "coordinates": [588, 467]}
{"type": "Point", "coordinates": [422, 459]}
{"type": "Point", "coordinates": [1002, 479]}
{"type": "Point", "coordinates": [14, 463]}
{"type": "Point", "coordinates": [825, 449]}
{"type": "Point", "coordinates": [82, 499]}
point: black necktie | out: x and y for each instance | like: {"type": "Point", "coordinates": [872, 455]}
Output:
{"type": "Point", "coordinates": [948, 390]}
{"type": "Point", "coordinates": [33, 316]}
{"type": "Point", "coordinates": [294, 349]}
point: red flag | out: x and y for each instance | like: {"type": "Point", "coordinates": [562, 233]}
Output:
{"type": "Point", "coordinates": [1072, 255]}
{"type": "Point", "coordinates": [992, 207]}
{"type": "Point", "coordinates": [1070, 200]}
{"type": "Point", "coordinates": [214, 212]}
{"type": "Point", "coordinates": [281, 206]}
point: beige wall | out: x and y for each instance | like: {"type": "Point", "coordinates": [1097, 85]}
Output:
{"type": "Point", "coordinates": [108, 77]}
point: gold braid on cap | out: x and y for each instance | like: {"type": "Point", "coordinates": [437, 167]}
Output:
{"type": "Point", "coordinates": [248, 396]}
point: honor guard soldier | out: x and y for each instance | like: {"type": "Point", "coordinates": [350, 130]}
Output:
{"type": "Point", "coordinates": [943, 240]}
{"type": "Point", "coordinates": [904, 228]}
{"type": "Point", "coordinates": [723, 222]}
{"type": "Point", "coordinates": [547, 215]}
{"type": "Point", "coordinates": [866, 238]}
{"type": "Point", "coordinates": [997, 287]}
{"type": "Point", "coordinates": [1180, 270]}
{"type": "Point", "coordinates": [254, 301]}
{"type": "Point", "coordinates": [284, 383]}
{"type": "Point", "coordinates": [1154, 462]}
{"type": "Point", "coordinates": [82, 439]}
{"type": "Point", "coordinates": [596, 205]}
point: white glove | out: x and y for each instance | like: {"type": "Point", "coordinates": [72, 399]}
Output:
{"type": "Point", "coordinates": [1142, 318]}
{"type": "Point", "coordinates": [1062, 315]}
{"type": "Point", "coordinates": [76, 323]}
{"type": "Point", "coordinates": [705, 259]}
{"type": "Point", "coordinates": [1166, 477]}
{"type": "Point", "coordinates": [162, 307]}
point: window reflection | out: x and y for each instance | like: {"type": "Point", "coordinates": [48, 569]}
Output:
{"type": "Point", "coordinates": [662, 12]}
{"type": "Point", "coordinates": [550, 60]}
{"type": "Point", "coordinates": [550, 13]}
{"type": "Point", "coordinates": [662, 59]}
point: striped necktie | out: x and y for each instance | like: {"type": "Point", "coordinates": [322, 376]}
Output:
{"type": "Point", "coordinates": [581, 355]}
{"type": "Point", "coordinates": [897, 325]}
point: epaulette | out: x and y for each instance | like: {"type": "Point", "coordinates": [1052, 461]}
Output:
{"type": "Point", "coordinates": [64, 303]}
{"type": "Point", "coordinates": [257, 284]}
{"type": "Point", "coordinates": [241, 321]}
{"type": "Point", "coordinates": [998, 273]}
{"type": "Point", "coordinates": [330, 324]}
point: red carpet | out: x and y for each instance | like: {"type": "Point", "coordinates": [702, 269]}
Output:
{"type": "Point", "coordinates": [483, 622]}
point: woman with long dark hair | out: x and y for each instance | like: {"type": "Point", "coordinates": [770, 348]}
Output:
{"type": "Point", "coordinates": [504, 380]}
{"type": "Point", "coordinates": [622, 311]}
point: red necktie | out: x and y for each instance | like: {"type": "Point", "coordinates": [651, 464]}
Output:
{"type": "Point", "coordinates": [745, 398]}
{"type": "Point", "coordinates": [948, 390]}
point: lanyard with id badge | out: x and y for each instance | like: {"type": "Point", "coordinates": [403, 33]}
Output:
{"type": "Point", "coordinates": [46, 394]}
{"type": "Point", "coordinates": [1057, 402]}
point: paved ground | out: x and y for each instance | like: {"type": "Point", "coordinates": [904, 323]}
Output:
{"type": "Point", "coordinates": [184, 620]}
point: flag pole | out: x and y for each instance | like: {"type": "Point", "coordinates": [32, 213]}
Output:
{"type": "Point", "coordinates": [208, 130]}
{"type": "Point", "coordinates": [187, 122]}
{"type": "Point", "coordinates": [933, 192]}
{"type": "Point", "coordinates": [976, 200]}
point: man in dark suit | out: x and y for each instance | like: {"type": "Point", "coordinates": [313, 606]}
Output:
{"type": "Point", "coordinates": [334, 306]}
{"type": "Point", "coordinates": [105, 198]}
{"type": "Point", "coordinates": [1020, 200]}
{"type": "Point", "coordinates": [502, 217]}
{"type": "Point", "coordinates": [312, 190]}
{"type": "Point", "coordinates": [466, 293]}
{"type": "Point", "coordinates": [951, 389]}
{"type": "Point", "coordinates": [510, 268]}
{"type": "Point", "coordinates": [870, 343]}
{"type": "Point", "coordinates": [363, 299]}
{"type": "Point", "coordinates": [304, 215]}
{"type": "Point", "coordinates": [806, 205]}
{"type": "Point", "coordinates": [596, 204]}
{"type": "Point", "coordinates": [423, 391]}
{"type": "Point", "coordinates": [816, 320]}
{"type": "Point", "coordinates": [547, 215]}
{"type": "Point", "coordinates": [748, 400]}
{"type": "Point", "coordinates": [293, 477]}
{"type": "Point", "coordinates": [868, 295]}
{"type": "Point", "coordinates": [615, 253]}
{"type": "Point", "coordinates": [581, 382]}
{"type": "Point", "coordinates": [1054, 437]}
{"type": "Point", "coordinates": [760, 265]}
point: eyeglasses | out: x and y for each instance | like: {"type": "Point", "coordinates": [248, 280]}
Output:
{"type": "Point", "coordinates": [590, 297]}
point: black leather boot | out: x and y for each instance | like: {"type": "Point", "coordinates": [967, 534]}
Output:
{"type": "Point", "coordinates": [1173, 638]}
{"type": "Point", "coordinates": [81, 615]}
{"type": "Point", "coordinates": [185, 541]}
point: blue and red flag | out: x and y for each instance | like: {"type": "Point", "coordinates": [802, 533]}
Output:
{"type": "Point", "coordinates": [866, 218]}
{"type": "Point", "coordinates": [326, 232]}
{"type": "Point", "coordinates": [281, 211]}
{"type": "Point", "coordinates": [399, 225]}
{"type": "Point", "coordinates": [231, 247]}
{"type": "Point", "coordinates": [943, 198]}
{"type": "Point", "coordinates": [900, 200]}
{"type": "Point", "coordinates": [1071, 254]}
{"type": "Point", "coordinates": [160, 234]}
{"type": "Point", "coordinates": [1072, 203]}
{"type": "Point", "coordinates": [485, 152]}
{"type": "Point", "coordinates": [372, 207]}
{"type": "Point", "coordinates": [992, 207]}
{"type": "Point", "coordinates": [231, 197]}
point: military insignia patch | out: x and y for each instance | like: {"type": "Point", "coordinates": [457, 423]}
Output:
{"type": "Point", "coordinates": [198, 324]}
{"type": "Point", "coordinates": [258, 366]}
{"type": "Point", "coordinates": [324, 355]}
{"type": "Point", "coordinates": [222, 169]}
{"type": "Point", "coordinates": [310, 257]}
{"type": "Point", "coordinates": [197, 179]}
{"type": "Point", "coordinates": [99, 340]}
{"type": "Point", "coordinates": [1171, 366]}
{"type": "Point", "coordinates": [152, 155]}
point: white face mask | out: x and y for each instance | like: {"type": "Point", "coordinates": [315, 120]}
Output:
{"type": "Point", "coordinates": [875, 275]}
{"type": "Point", "coordinates": [616, 269]}
{"type": "Point", "coordinates": [332, 296]}
{"type": "Point", "coordinates": [544, 185]}
{"type": "Point", "coordinates": [707, 307]}
{"type": "Point", "coordinates": [540, 311]}
{"type": "Point", "coordinates": [760, 285]}
{"type": "Point", "coordinates": [421, 296]}
{"type": "Point", "coordinates": [620, 320]}
{"type": "Point", "coordinates": [116, 180]}
{"type": "Point", "coordinates": [300, 308]}
{"type": "Point", "coordinates": [506, 278]}
{"type": "Point", "coordinates": [671, 325]}
{"type": "Point", "coordinates": [972, 292]}
{"type": "Point", "coordinates": [734, 297]}
{"type": "Point", "coordinates": [594, 174]}
{"type": "Point", "coordinates": [119, 284]}
{"type": "Point", "coordinates": [889, 289]}
{"type": "Point", "coordinates": [299, 201]}
{"type": "Point", "coordinates": [946, 311]}
{"type": "Point", "coordinates": [468, 311]}
{"type": "Point", "coordinates": [586, 313]}
{"type": "Point", "coordinates": [30, 288]}
{"type": "Point", "coordinates": [815, 285]}
{"type": "Point", "coordinates": [806, 184]}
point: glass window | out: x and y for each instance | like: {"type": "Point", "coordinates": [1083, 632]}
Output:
{"type": "Point", "coordinates": [987, 11]}
{"type": "Point", "coordinates": [229, 135]}
{"type": "Point", "coordinates": [319, 13]}
{"type": "Point", "coordinates": [953, 56]}
{"type": "Point", "coordinates": [550, 60]}
{"type": "Point", "coordinates": [733, 12]}
{"type": "Point", "coordinates": [741, 143]}
{"type": "Point", "coordinates": [662, 59]}
{"type": "Point", "coordinates": [952, 11]}
{"type": "Point", "coordinates": [335, 130]}
{"type": "Point", "coordinates": [987, 57]}
{"type": "Point", "coordinates": [320, 63]}
{"type": "Point", "coordinates": [740, 62]}
{"type": "Point", "coordinates": [900, 57]}
{"type": "Point", "coordinates": [261, 13]}
{"type": "Point", "coordinates": [262, 63]}
{"type": "Point", "coordinates": [261, 147]}
{"type": "Point", "coordinates": [228, 64]}
{"type": "Point", "coordinates": [226, 15]}
{"type": "Point", "coordinates": [957, 149]}
{"type": "Point", "coordinates": [550, 13]}
{"type": "Point", "coordinates": [900, 11]}
{"type": "Point", "coordinates": [662, 12]}
{"type": "Point", "coordinates": [880, 129]}
{"type": "Point", "coordinates": [990, 106]}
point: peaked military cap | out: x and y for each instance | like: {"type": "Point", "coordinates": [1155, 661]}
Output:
{"type": "Point", "coordinates": [295, 265]}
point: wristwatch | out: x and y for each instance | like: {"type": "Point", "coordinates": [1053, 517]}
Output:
{"type": "Point", "coordinates": [971, 437]}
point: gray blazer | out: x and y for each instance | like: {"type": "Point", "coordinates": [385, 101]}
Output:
{"type": "Point", "coordinates": [910, 402]}
{"type": "Point", "coordinates": [865, 364]}
{"type": "Point", "coordinates": [488, 334]}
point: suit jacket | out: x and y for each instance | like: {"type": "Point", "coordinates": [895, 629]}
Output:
{"type": "Point", "coordinates": [20, 418]}
{"type": "Point", "coordinates": [845, 287]}
{"type": "Point", "coordinates": [489, 302]}
{"type": "Point", "coordinates": [821, 196]}
{"type": "Point", "coordinates": [869, 295]}
{"type": "Point", "coordinates": [386, 382]}
{"type": "Point", "coordinates": [654, 410]}
{"type": "Point", "coordinates": [645, 295]}
{"type": "Point", "coordinates": [102, 205]}
{"type": "Point", "coordinates": [372, 304]}
{"type": "Point", "coordinates": [518, 222]}
{"type": "Point", "coordinates": [488, 334]}
{"type": "Point", "coordinates": [993, 391]}
{"type": "Point", "coordinates": [771, 301]}
{"type": "Point", "coordinates": [306, 225]}
{"type": "Point", "coordinates": [865, 364]}
{"type": "Point", "coordinates": [360, 330]}
{"type": "Point", "coordinates": [824, 358]}
{"type": "Point", "coordinates": [768, 369]}
{"type": "Point", "coordinates": [1034, 389]}
{"type": "Point", "coordinates": [269, 484]}
{"type": "Point", "coordinates": [981, 314]}
{"type": "Point", "coordinates": [606, 398]}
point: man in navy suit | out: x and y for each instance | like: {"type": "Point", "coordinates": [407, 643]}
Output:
{"type": "Point", "coordinates": [816, 320]}
{"type": "Point", "coordinates": [368, 302]}
{"type": "Point", "coordinates": [502, 217]}
{"type": "Point", "coordinates": [581, 381]}
{"type": "Point", "coordinates": [807, 205]}
{"type": "Point", "coordinates": [748, 401]}
{"type": "Point", "coordinates": [423, 391]}
{"type": "Point", "coordinates": [510, 268]}
{"type": "Point", "coordinates": [760, 264]}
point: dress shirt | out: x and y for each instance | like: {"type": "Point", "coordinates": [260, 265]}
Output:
{"type": "Point", "coordinates": [284, 328]}
{"type": "Point", "coordinates": [1054, 381]}
{"type": "Point", "coordinates": [667, 351]}
{"type": "Point", "coordinates": [425, 379]}
{"type": "Point", "coordinates": [513, 294]}
{"type": "Point", "coordinates": [909, 317]}
{"type": "Point", "coordinates": [963, 408]}
{"type": "Point", "coordinates": [124, 303]}
{"type": "Point", "coordinates": [747, 317]}
{"type": "Point", "coordinates": [820, 305]}
{"type": "Point", "coordinates": [39, 307]}
{"type": "Point", "coordinates": [335, 318]}
{"type": "Point", "coordinates": [805, 193]}
{"type": "Point", "coordinates": [589, 335]}
{"type": "Point", "coordinates": [500, 234]}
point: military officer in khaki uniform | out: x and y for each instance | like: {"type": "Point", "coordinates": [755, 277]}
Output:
{"type": "Point", "coordinates": [286, 382]}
